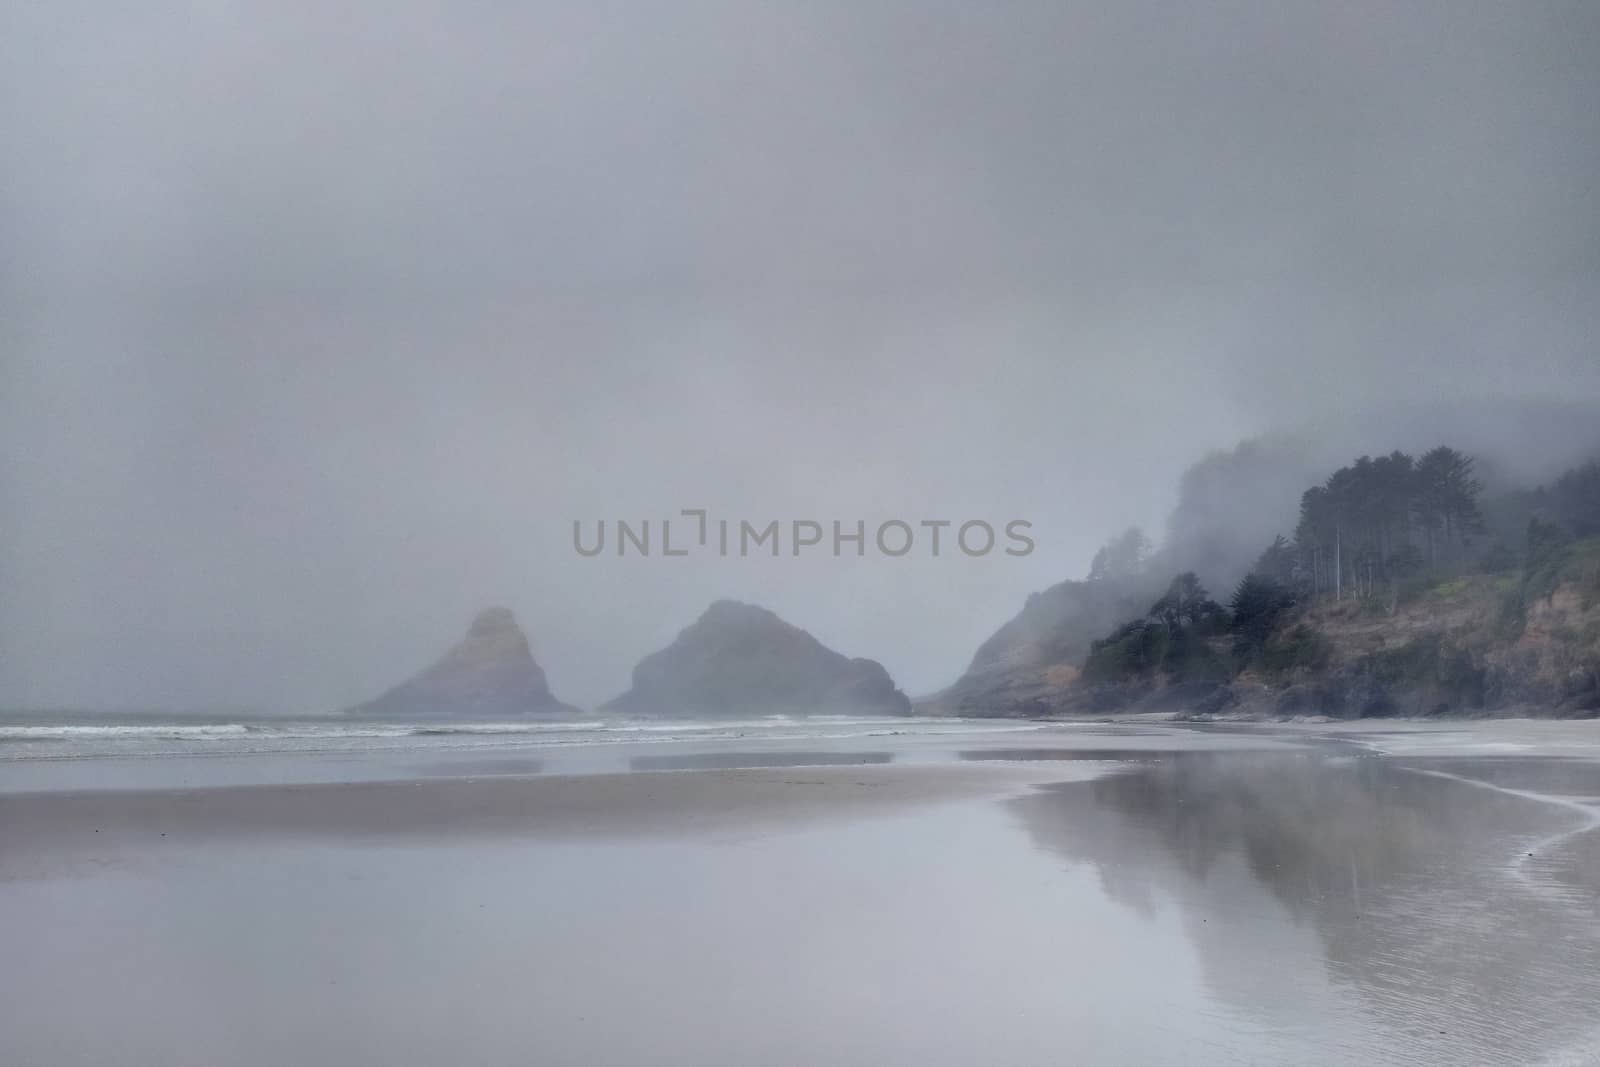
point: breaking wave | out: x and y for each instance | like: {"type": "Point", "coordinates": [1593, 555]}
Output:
{"type": "Point", "coordinates": [82, 740]}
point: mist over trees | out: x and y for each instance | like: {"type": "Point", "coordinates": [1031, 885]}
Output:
{"type": "Point", "coordinates": [1232, 501]}
{"type": "Point", "coordinates": [1377, 529]}
{"type": "Point", "coordinates": [1172, 638]}
{"type": "Point", "coordinates": [1381, 519]}
{"type": "Point", "coordinates": [1124, 556]}
{"type": "Point", "coordinates": [1379, 522]}
{"type": "Point", "coordinates": [1372, 524]}
{"type": "Point", "coordinates": [1281, 535]}
{"type": "Point", "coordinates": [1573, 500]}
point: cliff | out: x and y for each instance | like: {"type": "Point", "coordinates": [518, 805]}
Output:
{"type": "Point", "coordinates": [1476, 645]}
{"type": "Point", "coordinates": [742, 660]}
{"type": "Point", "coordinates": [1514, 643]}
{"type": "Point", "coordinates": [1032, 662]}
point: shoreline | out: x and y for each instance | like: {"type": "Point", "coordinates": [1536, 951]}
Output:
{"type": "Point", "coordinates": [48, 832]}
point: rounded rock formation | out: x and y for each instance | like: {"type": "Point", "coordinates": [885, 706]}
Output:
{"type": "Point", "coordinates": [739, 660]}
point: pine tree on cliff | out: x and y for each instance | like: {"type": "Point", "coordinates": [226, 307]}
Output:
{"type": "Point", "coordinates": [1446, 499]}
{"type": "Point", "coordinates": [1280, 563]}
{"type": "Point", "coordinates": [1359, 526]}
{"type": "Point", "coordinates": [1257, 605]}
{"type": "Point", "coordinates": [1185, 602]}
{"type": "Point", "coordinates": [1122, 557]}
{"type": "Point", "coordinates": [1575, 499]}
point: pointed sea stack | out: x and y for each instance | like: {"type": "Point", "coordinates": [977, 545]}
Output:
{"type": "Point", "coordinates": [740, 660]}
{"type": "Point", "coordinates": [491, 674]}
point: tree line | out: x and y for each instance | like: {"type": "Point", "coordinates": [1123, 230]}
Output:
{"type": "Point", "coordinates": [1379, 521]}
{"type": "Point", "coordinates": [1362, 532]}
{"type": "Point", "coordinates": [1176, 636]}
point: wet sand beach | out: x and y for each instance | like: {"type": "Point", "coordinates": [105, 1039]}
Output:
{"type": "Point", "coordinates": [43, 834]}
{"type": "Point", "coordinates": [1081, 894]}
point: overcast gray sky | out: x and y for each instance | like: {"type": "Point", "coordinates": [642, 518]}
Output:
{"type": "Point", "coordinates": [319, 324]}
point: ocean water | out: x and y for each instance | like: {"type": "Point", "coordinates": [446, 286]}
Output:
{"type": "Point", "coordinates": [1115, 894]}
{"type": "Point", "coordinates": [108, 735]}
{"type": "Point", "coordinates": [120, 752]}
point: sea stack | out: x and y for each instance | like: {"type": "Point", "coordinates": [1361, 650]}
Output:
{"type": "Point", "coordinates": [491, 674]}
{"type": "Point", "coordinates": [740, 660]}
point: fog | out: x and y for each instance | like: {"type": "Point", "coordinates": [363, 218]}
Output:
{"type": "Point", "coordinates": [318, 329]}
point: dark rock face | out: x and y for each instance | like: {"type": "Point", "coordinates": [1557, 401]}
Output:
{"type": "Point", "coordinates": [742, 660]}
{"type": "Point", "coordinates": [491, 674]}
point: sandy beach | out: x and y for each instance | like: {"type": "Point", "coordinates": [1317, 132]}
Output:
{"type": "Point", "coordinates": [45, 834]}
{"type": "Point", "coordinates": [1072, 893]}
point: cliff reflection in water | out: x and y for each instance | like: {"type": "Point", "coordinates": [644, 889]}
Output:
{"type": "Point", "coordinates": [1409, 896]}
{"type": "Point", "coordinates": [740, 760]}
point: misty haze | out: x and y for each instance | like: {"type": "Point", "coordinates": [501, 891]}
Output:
{"type": "Point", "coordinates": [800, 533]}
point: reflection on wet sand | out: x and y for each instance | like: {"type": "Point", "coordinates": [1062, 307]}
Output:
{"type": "Point", "coordinates": [731, 761]}
{"type": "Point", "coordinates": [1410, 882]}
{"type": "Point", "coordinates": [1028, 755]}
{"type": "Point", "coordinates": [478, 768]}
